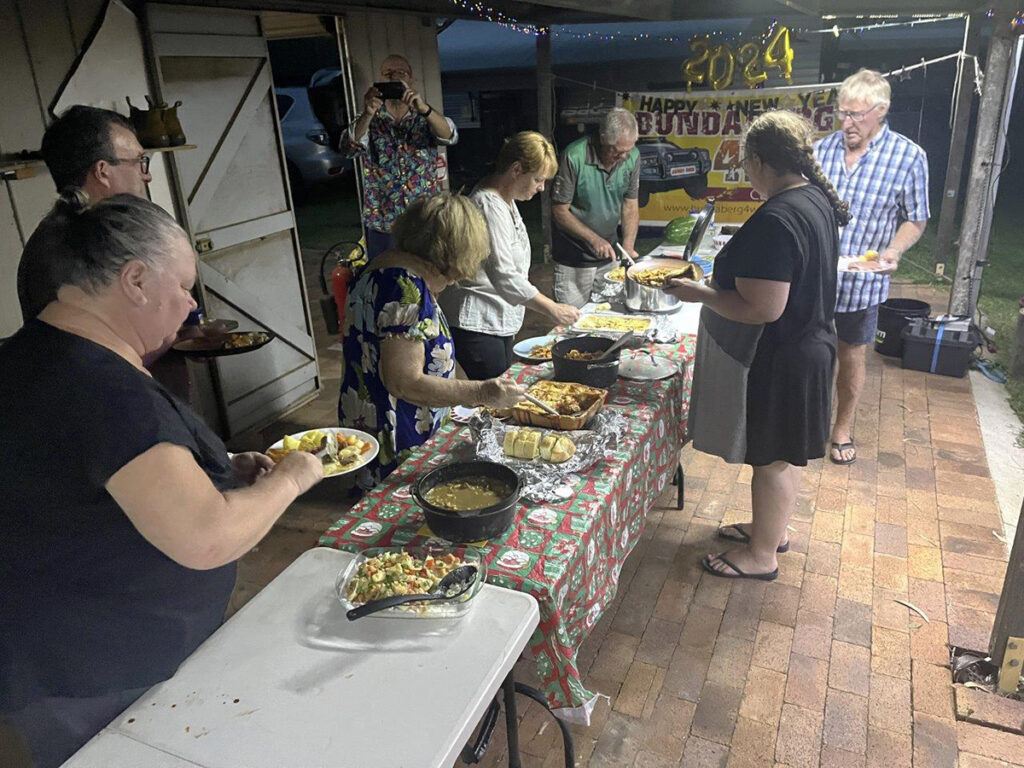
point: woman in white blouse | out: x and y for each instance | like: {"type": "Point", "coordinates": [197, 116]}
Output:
{"type": "Point", "coordinates": [486, 312]}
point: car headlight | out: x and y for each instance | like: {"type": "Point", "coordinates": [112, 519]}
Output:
{"type": "Point", "coordinates": [319, 137]}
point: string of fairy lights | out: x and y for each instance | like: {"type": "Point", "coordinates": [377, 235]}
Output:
{"type": "Point", "coordinates": [485, 12]}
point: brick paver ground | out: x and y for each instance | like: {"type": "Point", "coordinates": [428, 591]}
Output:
{"type": "Point", "coordinates": [823, 667]}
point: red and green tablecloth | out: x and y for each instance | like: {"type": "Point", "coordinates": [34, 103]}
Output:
{"type": "Point", "coordinates": [567, 555]}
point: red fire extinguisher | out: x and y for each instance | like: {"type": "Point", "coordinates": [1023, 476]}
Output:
{"type": "Point", "coordinates": [332, 304]}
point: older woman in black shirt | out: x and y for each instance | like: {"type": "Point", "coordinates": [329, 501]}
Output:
{"type": "Point", "coordinates": [767, 345]}
{"type": "Point", "coordinates": [122, 513]}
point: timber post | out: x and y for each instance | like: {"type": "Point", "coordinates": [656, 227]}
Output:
{"type": "Point", "coordinates": [981, 184]}
{"type": "Point", "coordinates": [1006, 645]}
{"type": "Point", "coordinates": [546, 126]}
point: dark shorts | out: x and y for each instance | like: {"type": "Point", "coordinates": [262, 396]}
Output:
{"type": "Point", "coordinates": [857, 327]}
{"type": "Point", "coordinates": [482, 355]}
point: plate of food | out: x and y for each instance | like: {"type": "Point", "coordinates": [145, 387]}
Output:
{"type": "Point", "coordinates": [869, 262]}
{"type": "Point", "coordinates": [536, 350]}
{"type": "Point", "coordinates": [617, 323]}
{"type": "Point", "coordinates": [617, 275]}
{"type": "Point", "coordinates": [342, 450]}
{"type": "Point", "coordinates": [221, 344]}
{"type": "Point", "coordinates": [382, 572]}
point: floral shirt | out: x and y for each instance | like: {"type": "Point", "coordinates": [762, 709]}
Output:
{"type": "Point", "coordinates": [401, 162]}
{"type": "Point", "coordinates": [391, 302]}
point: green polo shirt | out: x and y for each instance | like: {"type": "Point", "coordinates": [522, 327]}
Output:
{"type": "Point", "coordinates": [595, 195]}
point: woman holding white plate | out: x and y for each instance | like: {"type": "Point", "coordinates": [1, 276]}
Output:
{"type": "Point", "coordinates": [486, 310]}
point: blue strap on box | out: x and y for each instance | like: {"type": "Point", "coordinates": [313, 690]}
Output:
{"type": "Point", "coordinates": [938, 346]}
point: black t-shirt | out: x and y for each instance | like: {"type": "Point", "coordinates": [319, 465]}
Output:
{"type": "Point", "coordinates": [88, 606]}
{"type": "Point", "coordinates": [792, 238]}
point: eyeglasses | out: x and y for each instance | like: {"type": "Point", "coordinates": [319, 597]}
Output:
{"type": "Point", "coordinates": [142, 161]}
{"type": "Point", "coordinates": [396, 73]}
{"type": "Point", "coordinates": [842, 114]}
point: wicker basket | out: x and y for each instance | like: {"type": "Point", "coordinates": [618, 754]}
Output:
{"type": "Point", "coordinates": [591, 398]}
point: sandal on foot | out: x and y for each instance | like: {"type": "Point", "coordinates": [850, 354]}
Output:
{"type": "Point", "coordinates": [708, 559]}
{"type": "Point", "coordinates": [840, 447]}
{"type": "Point", "coordinates": [735, 533]}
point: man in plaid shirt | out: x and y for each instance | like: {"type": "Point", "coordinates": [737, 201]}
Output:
{"type": "Point", "coordinates": [883, 175]}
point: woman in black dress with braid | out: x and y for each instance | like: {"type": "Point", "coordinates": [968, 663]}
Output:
{"type": "Point", "coordinates": [766, 349]}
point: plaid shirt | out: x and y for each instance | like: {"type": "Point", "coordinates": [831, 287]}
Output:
{"type": "Point", "coordinates": [887, 186]}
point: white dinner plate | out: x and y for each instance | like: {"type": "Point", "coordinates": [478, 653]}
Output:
{"type": "Point", "coordinates": [366, 458]}
{"type": "Point", "coordinates": [647, 367]}
{"type": "Point", "coordinates": [461, 414]}
{"type": "Point", "coordinates": [525, 347]}
{"type": "Point", "coordinates": [846, 262]}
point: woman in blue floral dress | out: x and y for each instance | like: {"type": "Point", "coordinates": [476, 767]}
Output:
{"type": "Point", "coordinates": [398, 359]}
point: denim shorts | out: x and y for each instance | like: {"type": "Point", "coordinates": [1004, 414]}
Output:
{"type": "Point", "coordinates": [857, 327]}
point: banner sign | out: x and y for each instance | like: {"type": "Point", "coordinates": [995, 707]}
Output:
{"type": "Point", "coordinates": [690, 146]}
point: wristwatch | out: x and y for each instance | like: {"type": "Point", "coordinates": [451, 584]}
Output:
{"type": "Point", "coordinates": [427, 113]}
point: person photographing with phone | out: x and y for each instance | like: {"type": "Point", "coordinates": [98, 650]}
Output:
{"type": "Point", "coordinates": [397, 135]}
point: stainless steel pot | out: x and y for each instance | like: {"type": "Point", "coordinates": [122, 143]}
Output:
{"type": "Point", "coordinates": [643, 298]}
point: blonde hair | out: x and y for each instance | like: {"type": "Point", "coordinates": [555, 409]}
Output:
{"type": "Point", "coordinates": [531, 150]}
{"type": "Point", "coordinates": [784, 140]}
{"type": "Point", "coordinates": [868, 86]}
{"type": "Point", "coordinates": [446, 230]}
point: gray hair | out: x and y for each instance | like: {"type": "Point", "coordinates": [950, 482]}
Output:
{"type": "Point", "coordinates": [616, 123]}
{"type": "Point", "coordinates": [868, 86]}
{"type": "Point", "coordinates": [91, 243]}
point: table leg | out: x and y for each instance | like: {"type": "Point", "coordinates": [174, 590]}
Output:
{"type": "Point", "coordinates": [679, 481]}
{"type": "Point", "coordinates": [568, 750]}
{"type": "Point", "coordinates": [511, 720]}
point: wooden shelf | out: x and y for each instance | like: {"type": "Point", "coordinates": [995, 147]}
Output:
{"type": "Point", "coordinates": [170, 149]}
{"type": "Point", "coordinates": [12, 170]}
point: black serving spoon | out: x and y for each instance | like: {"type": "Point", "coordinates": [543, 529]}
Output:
{"type": "Point", "coordinates": [455, 583]}
{"type": "Point", "coordinates": [623, 340]}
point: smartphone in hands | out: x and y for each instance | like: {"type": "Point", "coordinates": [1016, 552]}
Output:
{"type": "Point", "coordinates": [391, 90]}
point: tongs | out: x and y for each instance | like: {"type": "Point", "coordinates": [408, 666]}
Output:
{"type": "Point", "coordinates": [540, 404]}
{"type": "Point", "coordinates": [625, 255]}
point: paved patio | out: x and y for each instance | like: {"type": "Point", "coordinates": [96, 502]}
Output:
{"type": "Point", "coordinates": [820, 668]}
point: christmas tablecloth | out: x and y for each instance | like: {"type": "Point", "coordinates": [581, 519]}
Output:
{"type": "Point", "coordinates": [567, 555]}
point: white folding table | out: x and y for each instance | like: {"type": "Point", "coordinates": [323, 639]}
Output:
{"type": "Point", "coordinates": [289, 682]}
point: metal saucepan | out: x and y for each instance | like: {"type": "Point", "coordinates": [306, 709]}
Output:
{"type": "Point", "coordinates": [644, 298]}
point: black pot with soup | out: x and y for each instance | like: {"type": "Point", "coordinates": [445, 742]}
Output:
{"type": "Point", "coordinates": [469, 501]}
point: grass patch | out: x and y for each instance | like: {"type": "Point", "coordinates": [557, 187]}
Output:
{"type": "Point", "coordinates": [1001, 288]}
{"type": "Point", "coordinates": [329, 215]}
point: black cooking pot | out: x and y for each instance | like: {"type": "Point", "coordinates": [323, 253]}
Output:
{"type": "Point", "coordinates": [587, 372]}
{"type": "Point", "coordinates": [471, 525]}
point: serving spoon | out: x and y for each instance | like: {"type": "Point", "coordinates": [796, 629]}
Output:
{"type": "Point", "coordinates": [540, 404]}
{"type": "Point", "coordinates": [624, 339]}
{"type": "Point", "coordinates": [454, 584]}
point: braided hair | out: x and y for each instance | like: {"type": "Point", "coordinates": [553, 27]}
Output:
{"type": "Point", "coordinates": [782, 140]}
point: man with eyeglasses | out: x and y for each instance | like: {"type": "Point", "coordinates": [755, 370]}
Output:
{"type": "Point", "coordinates": [97, 151]}
{"type": "Point", "coordinates": [883, 175]}
{"type": "Point", "coordinates": [398, 141]}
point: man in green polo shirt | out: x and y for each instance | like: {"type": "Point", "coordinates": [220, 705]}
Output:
{"type": "Point", "coordinates": [594, 193]}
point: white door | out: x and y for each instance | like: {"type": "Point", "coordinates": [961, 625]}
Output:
{"type": "Point", "coordinates": [234, 190]}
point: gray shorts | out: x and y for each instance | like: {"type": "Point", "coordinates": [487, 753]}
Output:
{"type": "Point", "coordinates": [857, 327]}
{"type": "Point", "coordinates": [573, 285]}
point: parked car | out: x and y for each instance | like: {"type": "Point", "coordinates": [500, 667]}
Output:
{"type": "Point", "coordinates": [308, 148]}
{"type": "Point", "coordinates": [665, 166]}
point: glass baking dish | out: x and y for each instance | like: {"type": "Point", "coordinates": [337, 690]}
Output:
{"type": "Point", "coordinates": [435, 609]}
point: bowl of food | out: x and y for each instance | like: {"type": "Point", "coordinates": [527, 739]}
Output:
{"type": "Point", "coordinates": [646, 280]}
{"type": "Point", "coordinates": [382, 572]}
{"type": "Point", "coordinates": [468, 500]}
{"type": "Point", "coordinates": [579, 360]}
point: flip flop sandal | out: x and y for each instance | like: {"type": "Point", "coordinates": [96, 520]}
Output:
{"type": "Point", "coordinates": [706, 565]}
{"type": "Point", "coordinates": [842, 447]}
{"type": "Point", "coordinates": [741, 536]}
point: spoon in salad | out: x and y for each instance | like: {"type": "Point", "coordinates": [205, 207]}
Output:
{"type": "Point", "coordinates": [454, 584]}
